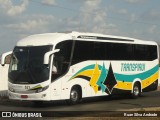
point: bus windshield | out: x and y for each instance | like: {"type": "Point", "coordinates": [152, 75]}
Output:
{"type": "Point", "coordinates": [27, 66]}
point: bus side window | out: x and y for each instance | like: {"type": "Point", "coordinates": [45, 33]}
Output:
{"type": "Point", "coordinates": [83, 51]}
{"type": "Point", "coordinates": [61, 60]}
{"type": "Point", "coordinates": [58, 64]}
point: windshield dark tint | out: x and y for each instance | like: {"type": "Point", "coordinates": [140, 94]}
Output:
{"type": "Point", "coordinates": [27, 66]}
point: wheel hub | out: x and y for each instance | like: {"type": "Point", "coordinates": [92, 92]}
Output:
{"type": "Point", "coordinates": [136, 91]}
{"type": "Point", "coordinates": [74, 95]}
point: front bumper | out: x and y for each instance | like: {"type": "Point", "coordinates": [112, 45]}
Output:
{"type": "Point", "coordinates": [42, 96]}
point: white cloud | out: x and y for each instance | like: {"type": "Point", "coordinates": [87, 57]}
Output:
{"type": "Point", "coordinates": [89, 7]}
{"type": "Point", "coordinates": [29, 25]}
{"type": "Point", "coordinates": [49, 2]}
{"type": "Point", "coordinates": [92, 18]}
{"type": "Point", "coordinates": [11, 9]}
{"type": "Point", "coordinates": [33, 24]}
{"type": "Point", "coordinates": [152, 29]}
{"type": "Point", "coordinates": [153, 14]}
{"type": "Point", "coordinates": [123, 11]}
{"type": "Point", "coordinates": [135, 1]}
{"type": "Point", "coordinates": [100, 17]}
{"type": "Point", "coordinates": [92, 3]}
{"type": "Point", "coordinates": [105, 28]}
{"type": "Point", "coordinates": [133, 17]}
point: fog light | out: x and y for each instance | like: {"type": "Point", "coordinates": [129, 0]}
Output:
{"type": "Point", "coordinates": [11, 89]}
{"type": "Point", "coordinates": [44, 95]}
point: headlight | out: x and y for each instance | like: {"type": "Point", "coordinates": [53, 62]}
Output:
{"type": "Point", "coordinates": [11, 89]}
{"type": "Point", "coordinates": [42, 89]}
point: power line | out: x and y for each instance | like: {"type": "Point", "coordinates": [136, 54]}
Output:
{"type": "Point", "coordinates": [110, 17]}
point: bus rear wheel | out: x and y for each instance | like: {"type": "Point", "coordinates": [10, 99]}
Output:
{"type": "Point", "coordinates": [136, 91]}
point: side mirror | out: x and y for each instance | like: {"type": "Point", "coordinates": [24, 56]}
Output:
{"type": "Point", "coordinates": [5, 58]}
{"type": "Point", "coordinates": [46, 56]}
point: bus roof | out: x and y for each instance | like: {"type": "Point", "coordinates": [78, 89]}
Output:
{"type": "Point", "coordinates": [51, 38]}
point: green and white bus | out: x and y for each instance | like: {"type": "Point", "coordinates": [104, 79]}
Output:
{"type": "Point", "coordinates": [76, 65]}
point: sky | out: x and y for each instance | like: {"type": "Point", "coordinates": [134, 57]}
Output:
{"type": "Point", "coordinates": [131, 18]}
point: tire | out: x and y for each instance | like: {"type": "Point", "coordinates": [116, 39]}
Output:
{"type": "Point", "coordinates": [136, 91]}
{"type": "Point", "coordinates": [75, 96]}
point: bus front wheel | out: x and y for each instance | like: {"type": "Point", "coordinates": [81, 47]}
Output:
{"type": "Point", "coordinates": [75, 96]}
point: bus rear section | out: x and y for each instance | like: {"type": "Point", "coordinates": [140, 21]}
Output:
{"type": "Point", "coordinates": [106, 68]}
